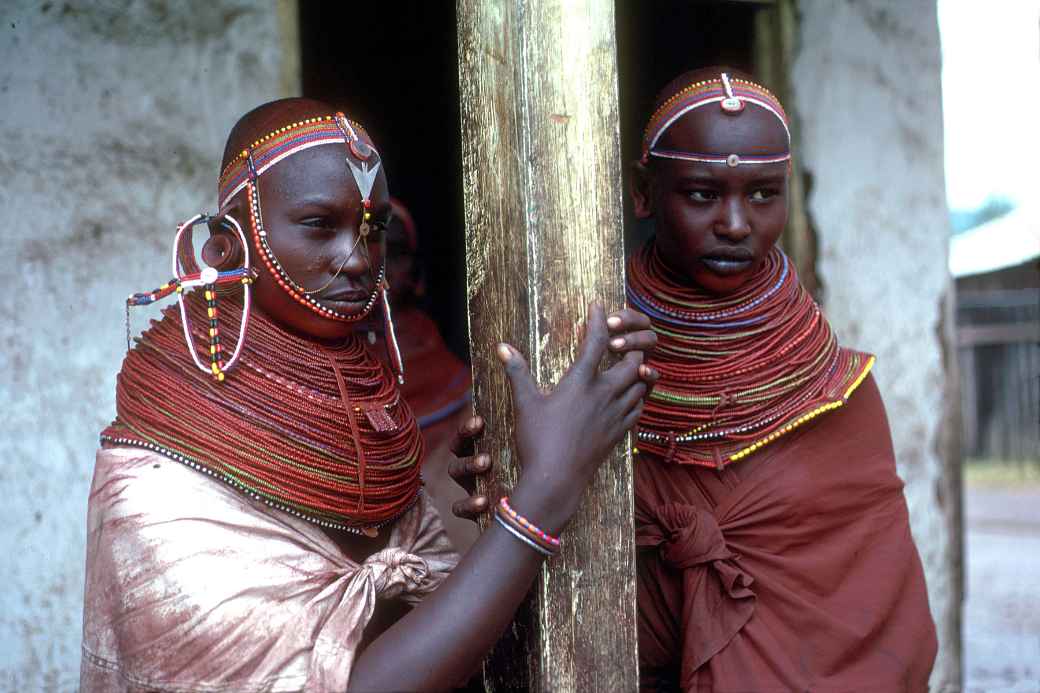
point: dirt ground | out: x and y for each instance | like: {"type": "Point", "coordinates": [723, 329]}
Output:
{"type": "Point", "coordinates": [1002, 606]}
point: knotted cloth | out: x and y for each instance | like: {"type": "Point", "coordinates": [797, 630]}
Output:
{"type": "Point", "coordinates": [792, 570]}
{"type": "Point", "coordinates": [192, 586]}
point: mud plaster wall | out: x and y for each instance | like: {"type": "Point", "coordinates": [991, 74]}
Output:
{"type": "Point", "coordinates": [868, 97]}
{"type": "Point", "coordinates": [113, 119]}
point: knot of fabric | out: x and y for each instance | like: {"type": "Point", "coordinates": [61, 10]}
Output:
{"type": "Point", "coordinates": [691, 536]}
{"type": "Point", "coordinates": [717, 599]}
{"type": "Point", "coordinates": [672, 447]}
{"type": "Point", "coordinates": [394, 571]}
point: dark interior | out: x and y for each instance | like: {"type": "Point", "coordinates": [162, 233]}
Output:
{"type": "Point", "coordinates": [393, 67]}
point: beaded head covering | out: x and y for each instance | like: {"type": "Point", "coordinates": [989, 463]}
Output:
{"type": "Point", "coordinates": [732, 95]}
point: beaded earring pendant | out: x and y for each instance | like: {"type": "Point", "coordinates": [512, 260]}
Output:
{"type": "Point", "coordinates": [190, 276]}
{"type": "Point", "coordinates": [392, 350]}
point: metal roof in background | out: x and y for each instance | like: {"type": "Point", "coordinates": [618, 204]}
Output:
{"type": "Point", "coordinates": [1006, 241]}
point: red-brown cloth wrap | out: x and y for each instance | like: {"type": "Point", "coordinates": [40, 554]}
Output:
{"type": "Point", "coordinates": [792, 570]}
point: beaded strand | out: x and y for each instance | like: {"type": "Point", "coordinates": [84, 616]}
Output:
{"type": "Point", "coordinates": [187, 274]}
{"type": "Point", "coordinates": [525, 530]}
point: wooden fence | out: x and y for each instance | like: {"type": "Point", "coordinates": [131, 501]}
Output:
{"type": "Point", "coordinates": [998, 335]}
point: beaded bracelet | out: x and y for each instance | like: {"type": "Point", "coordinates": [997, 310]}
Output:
{"type": "Point", "coordinates": [525, 530]}
{"type": "Point", "coordinates": [516, 533]}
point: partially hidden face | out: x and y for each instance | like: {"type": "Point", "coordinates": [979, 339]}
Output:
{"type": "Point", "coordinates": [715, 223]}
{"type": "Point", "coordinates": [312, 212]}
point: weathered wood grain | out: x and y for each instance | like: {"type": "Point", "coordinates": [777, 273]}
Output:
{"type": "Point", "coordinates": [542, 185]}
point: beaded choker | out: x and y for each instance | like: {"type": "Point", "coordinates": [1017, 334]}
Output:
{"type": "Point", "coordinates": [738, 371]}
{"type": "Point", "coordinates": [320, 433]}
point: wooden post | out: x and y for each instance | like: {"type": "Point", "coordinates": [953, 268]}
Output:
{"type": "Point", "coordinates": [542, 183]}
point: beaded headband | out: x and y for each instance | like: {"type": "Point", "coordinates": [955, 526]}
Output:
{"type": "Point", "coordinates": [732, 95]}
{"type": "Point", "coordinates": [286, 141]}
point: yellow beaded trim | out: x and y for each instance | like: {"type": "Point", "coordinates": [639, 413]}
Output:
{"type": "Point", "coordinates": [805, 417]}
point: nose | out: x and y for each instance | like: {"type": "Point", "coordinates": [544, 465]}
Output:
{"type": "Point", "coordinates": [733, 223]}
{"type": "Point", "coordinates": [354, 255]}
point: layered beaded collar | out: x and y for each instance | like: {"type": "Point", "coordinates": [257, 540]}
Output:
{"type": "Point", "coordinates": [739, 371]}
{"type": "Point", "coordinates": [318, 432]}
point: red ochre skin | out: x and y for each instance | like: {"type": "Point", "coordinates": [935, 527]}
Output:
{"type": "Point", "coordinates": [562, 435]}
{"type": "Point", "coordinates": [705, 212]}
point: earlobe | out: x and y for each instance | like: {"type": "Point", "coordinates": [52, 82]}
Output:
{"type": "Point", "coordinates": [222, 249]}
{"type": "Point", "coordinates": [641, 189]}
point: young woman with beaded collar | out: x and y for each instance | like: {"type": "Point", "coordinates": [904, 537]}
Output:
{"type": "Point", "coordinates": [774, 544]}
{"type": "Point", "coordinates": [256, 520]}
{"type": "Point", "coordinates": [774, 547]}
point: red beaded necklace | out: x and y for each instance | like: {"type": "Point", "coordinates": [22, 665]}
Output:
{"type": "Point", "coordinates": [737, 371]}
{"type": "Point", "coordinates": [320, 432]}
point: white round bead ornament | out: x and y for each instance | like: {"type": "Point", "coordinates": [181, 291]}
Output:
{"type": "Point", "coordinates": [732, 105]}
{"type": "Point", "coordinates": [209, 275]}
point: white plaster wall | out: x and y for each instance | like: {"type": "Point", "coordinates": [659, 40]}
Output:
{"type": "Point", "coordinates": [867, 93]}
{"type": "Point", "coordinates": [112, 119]}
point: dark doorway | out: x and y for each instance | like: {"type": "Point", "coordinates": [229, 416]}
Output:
{"type": "Point", "coordinates": [393, 67]}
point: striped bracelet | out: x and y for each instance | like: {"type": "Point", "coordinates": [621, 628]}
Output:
{"type": "Point", "coordinates": [525, 530]}
{"type": "Point", "coordinates": [519, 535]}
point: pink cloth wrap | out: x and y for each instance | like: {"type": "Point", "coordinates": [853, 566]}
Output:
{"type": "Point", "coordinates": [192, 586]}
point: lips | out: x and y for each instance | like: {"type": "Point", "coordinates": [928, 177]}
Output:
{"type": "Point", "coordinates": [727, 261]}
{"type": "Point", "coordinates": [347, 295]}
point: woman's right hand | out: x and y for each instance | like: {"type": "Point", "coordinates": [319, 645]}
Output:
{"type": "Point", "coordinates": [564, 435]}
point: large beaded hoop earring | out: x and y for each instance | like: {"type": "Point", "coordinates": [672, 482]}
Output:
{"type": "Point", "coordinates": [186, 274]}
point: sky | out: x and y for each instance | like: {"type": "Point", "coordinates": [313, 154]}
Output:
{"type": "Point", "coordinates": [991, 100]}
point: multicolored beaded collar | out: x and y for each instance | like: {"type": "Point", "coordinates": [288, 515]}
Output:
{"type": "Point", "coordinates": [737, 372]}
{"type": "Point", "coordinates": [732, 94]}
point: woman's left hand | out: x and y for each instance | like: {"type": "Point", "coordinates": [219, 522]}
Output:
{"type": "Point", "coordinates": [630, 331]}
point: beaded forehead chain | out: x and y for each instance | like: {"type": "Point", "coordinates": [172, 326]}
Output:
{"type": "Point", "coordinates": [244, 172]}
{"type": "Point", "coordinates": [732, 95]}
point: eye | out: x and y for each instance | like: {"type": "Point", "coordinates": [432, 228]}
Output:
{"type": "Point", "coordinates": [764, 194]}
{"type": "Point", "coordinates": [702, 195]}
{"type": "Point", "coordinates": [317, 222]}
